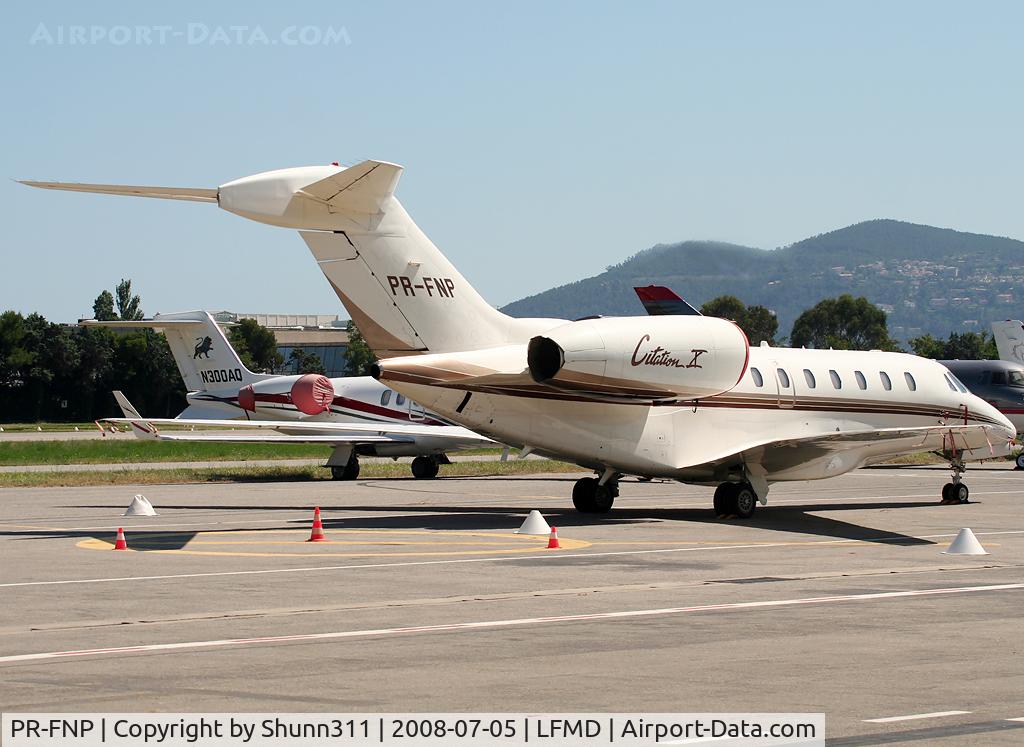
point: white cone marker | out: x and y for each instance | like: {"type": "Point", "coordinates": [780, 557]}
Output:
{"type": "Point", "coordinates": [965, 544]}
{"type": "Point", "coordinates": [140, 506]}
{"type": "Point", "coordinates": [534, 524]}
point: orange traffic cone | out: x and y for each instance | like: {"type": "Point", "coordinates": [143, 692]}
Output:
{"type": "Point", "coordinates": [317, 535]}
{"type": "Point", "coordinates": [553, 540]}
{"type": "Point", "coordinates": [120, 543]}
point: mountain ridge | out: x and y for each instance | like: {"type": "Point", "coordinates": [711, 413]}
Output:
{"type": "Point", "coordinates": [928, 279]}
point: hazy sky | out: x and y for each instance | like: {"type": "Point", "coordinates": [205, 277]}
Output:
{"type": "Point", "coordinates": [542, 141]}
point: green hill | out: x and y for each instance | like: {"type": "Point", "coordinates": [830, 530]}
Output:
{"type": "Point", "coordinates": [929, 280]}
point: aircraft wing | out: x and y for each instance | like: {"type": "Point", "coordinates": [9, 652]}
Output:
{"type": "Point", "coordinates": [289, 431]}
{"type": "Point", "coordinates": [851, 449]}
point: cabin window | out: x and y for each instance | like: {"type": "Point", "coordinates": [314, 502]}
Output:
{"type": "Point", "coordinates": [836, 381]}
{"type": "Point", "coordinates": [809, 378]}
{"type": "Point", "coordinates": [756, 376]}
{"type": "Point", "coordinates": [783, 378]}
{"type": "Point", "coordinates": [886, 381]}
{"type": "Point", "coordinates": [385, 397]}
{"type": "Point", "coordinates": [861, 381]}
{"type": "Point", "coordinates": [400, 400]}
{"type": "Point", "coordinates": [911, 384]}
{"type": "Point", "coordinates": [949, 383]}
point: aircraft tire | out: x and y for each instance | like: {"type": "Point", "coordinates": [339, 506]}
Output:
{"type": "Point", "coordinates": [1019, 461]}
{"type": "Point", "coordinates": [724, 500]}
{"type": "Point", "coordinates": [583, 495]}
{"type": "Point", "coordinates": [604, 497]}
{"type": "Point", "coordinates": [424, 468]}
{"type": "Point", "coordinates": [349, 472]}
{"type": "Point", "coordinates": [960, 493]}
{"type": "Point", "coordinates": [745, 501]}
{"type": "Point", "coordinates": [946, 493]}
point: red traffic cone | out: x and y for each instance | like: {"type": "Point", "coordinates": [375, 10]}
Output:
{"type": "Point", "coordinates": [317, 535]}
{"type": "Point", "coordinates": [120, 543]}
{"type": "Point", "coordinates": [553, 540]}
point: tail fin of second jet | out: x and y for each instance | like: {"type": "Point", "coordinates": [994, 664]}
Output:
{"type": "Point", "coordinates": [1009, 340]}
{"type": "Point", "coordinates": [204, 356]}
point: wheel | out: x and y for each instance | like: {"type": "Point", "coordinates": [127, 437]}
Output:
{"type": "Point", "coordinates": [745, 501]}
{"type": "Point", "coordinates": [583, 494]}
{"type": "Point", "coordinates": [424, 468]}
{"type": "Point", "coordinates": [724, 502]}
{"type": "Point", "coordinates": [1020, 460]}
{"type": "Point", "coordinates": [349, 472]}
{"type": "Point", "coordinates": [945, 492]}
{"type": "Point", "coordinates": [604, 497]}
{"type": "Point", "coordinates": [960, 493]}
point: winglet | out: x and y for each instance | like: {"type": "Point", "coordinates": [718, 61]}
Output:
{"type": "Point", "coordinates": [141, 428]}
{"type": "Point", "coordinates": [661, 301]}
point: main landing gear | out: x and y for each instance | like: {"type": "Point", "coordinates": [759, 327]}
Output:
{"type": "Point", "coordinates": [348, 472]}
{"type": "Point", "coordinates": [589, 496]}
{"type": "Point", "coordinates": [955, 492]}
{"type": "Point", "coordinates": [424, 467]}
{"type": "Point", "coordinates": [735, 499]}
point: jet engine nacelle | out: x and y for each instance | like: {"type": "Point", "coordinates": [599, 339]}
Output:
{"type": "Point", "coordinates": [311, 394]}
{"type": "Point", "coordinates": [641, 358]}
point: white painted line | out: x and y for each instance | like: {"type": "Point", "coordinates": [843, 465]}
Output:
{"type": "Point", "coordinates": [914, 717]}
{"type": "Point", "coordinates": [1015, 719]}
{"type": "Point", "coordinates": [460, 561]}
{"type": "Point", "coordinates": [491, 624]}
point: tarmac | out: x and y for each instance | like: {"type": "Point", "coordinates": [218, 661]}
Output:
{"type": "Point", "coordinates": [835, 598]}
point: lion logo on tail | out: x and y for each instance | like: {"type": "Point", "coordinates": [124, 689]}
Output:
{"type": "Point", "coordinates": [203, 347]}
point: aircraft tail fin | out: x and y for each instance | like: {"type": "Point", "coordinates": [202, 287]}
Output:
{"type": "Point", "coordinates": [662, 301]}
{"type": "Point", "coordinates": [1009, 340]}
{"type": "Point", "coordinates": [205, 358]}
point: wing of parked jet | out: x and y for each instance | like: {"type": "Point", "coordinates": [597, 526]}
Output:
{"type": "Point", "coordinates": [289, 431]}
{"type": "Point", "coordinates": [784, 458]}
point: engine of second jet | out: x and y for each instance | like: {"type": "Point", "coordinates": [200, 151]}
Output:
{"type": "Point", "coordinates": [641, 358]}
{"type": "Point", "coordinates": [311, 394]}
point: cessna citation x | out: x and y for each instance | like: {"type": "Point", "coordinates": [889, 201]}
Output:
{"type": "Point", "coordinates": [684, 398]}
{"type": "Point", "coordinates": [356, 415]}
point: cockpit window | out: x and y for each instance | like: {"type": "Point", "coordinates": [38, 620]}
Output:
{"type": "Point", "coordinates": [949, 383]}
{"type": "Point", "coordinates": [959, 384]}
{"type": "Point", "coordinates": [1015, 378]}
{"type": "Point", "coordinates": [385, 397]}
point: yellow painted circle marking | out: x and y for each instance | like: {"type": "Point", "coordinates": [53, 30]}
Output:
{"type": "Point", "coordinates": [470, 543]}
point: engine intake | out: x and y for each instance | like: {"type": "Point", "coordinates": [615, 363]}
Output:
{"type": "Point", "coordinates": [641, 358]}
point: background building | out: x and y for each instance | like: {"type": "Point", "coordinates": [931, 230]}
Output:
{"type": "Point", "coordinates": [322, 335]}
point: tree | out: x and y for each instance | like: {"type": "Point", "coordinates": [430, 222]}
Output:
{"type": "Point", "coordinates": [256, 346]}
{"type": "Point", "coordinates": [966, 346]}
{"type": "Point", "coordinates": [844, 323]}
{"type": "Point", "coordinates": [103, 307]}
{"type": "Point", "coordinates": [128, 306]}
{"type": "Point", "coordinates": [757, 322]}
{"type": "Point", "coordinates": [359, 357]}
{"type": "Point", "coordinates": [304, 362]}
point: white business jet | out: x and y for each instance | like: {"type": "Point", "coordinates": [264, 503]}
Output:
{"type": "Point", "coordinates": [356, 415]}
{"type": "Point", "coordinates": [684, 398]}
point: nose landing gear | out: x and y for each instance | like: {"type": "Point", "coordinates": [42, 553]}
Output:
{"type": "Point", "coordinates": [589, 496]}
{"type": "Point", "coordinates": [955, 491]}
